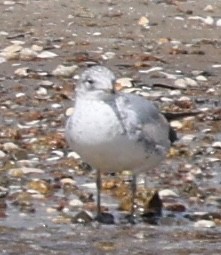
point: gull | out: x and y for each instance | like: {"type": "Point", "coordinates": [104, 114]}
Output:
{"type": "Point", "coordinates": [114, 131]}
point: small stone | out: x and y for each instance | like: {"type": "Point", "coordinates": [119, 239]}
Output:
{"type": "Point", "coordinates": [51, 210]}
{"type": "Point", "coordinates": [69, 111]}
{"type": "Point", "coordinates": [180, 83]}
{"type": "Point", "coordinates": [68, 181]}
{"type": "Point", "coordinates": [42, 91]}
{"type": "Point", "coordinates": [9, 146]}
{"type": "Point", "coordinates": [201, 78]}
{"type": "Point", "coordinates": [82, 217]}
{"type": "Point", "coordinates": [64, 71]}
{"type": "Point", "coordinates": [22, 72]}
{"type": "Point", "coordinates": [76, 203]}
{"type": "Point", "coordinates": [9, 2]}
{"type": "Point", "coordinates": [188, 138]}
{"type": "Point", "coordinates": [2, 60]}
{"type": "Point", "coordinates": [36, 48]}
{"type": "Point", "coordinates": [167, 193]}
{"type": "Point", "coordinates": [39, 185]}
{"type": "Point", "coordinates": [47, 54]}
{"type": "Point", "coordinates": [46, 83]}
{"type": "Point", "coordinates": [174, 207]}
{"type": "Point", "coordinates": [11, 52]}
{"type": "Point", "coordinates": [205, 224]}
{"type": "Point", "coordinates": [16, 172]}
{"type": "Point", "coordinates": [56, 106]}
{"type": "Point", "coordinates": [27, 54]}
{"type": "Point", "coordinates": [143, 21]}
{"type": "Point", "coordinates": [124, 83]}
{"type": "Point", "coordinates": [106, 247]}
{"type": "Point", "coordinates": [218, 23]}
{"type": "Point", "coordinates": [176, 124]}
{"type": "Point", "coordinates": [211, 91]}
{"type": "Point", "coordinates": [61, 220]}
{"type": "Point", "coordinates": [20, 95]}
{"type": "Point", "coordinates": [108, 55]}
{"type": "Point", "coordinates": [209, 20]}
{"type": "Point", "coordinates": [190, 82]}
{"type": "Point", "coordinates": [73, 155]}
{"type": "Point", "coordinates": [209, 8]}
{"type": "Point", "coordinates": [213, 200]}
{"type": "Point", "coordinates": [2, 154]}
{"type": "Point", "coordinates": [97, 34]}
{"type": "Point", "coordinates": [217, 145]}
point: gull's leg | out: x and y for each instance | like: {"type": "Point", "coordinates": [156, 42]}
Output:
{"type": "Point", "coordinates": [98, 183]}
{"type": "Point", "coordinates": [102, 217]}
{"type": "Point", "coordinates": [133, 195]}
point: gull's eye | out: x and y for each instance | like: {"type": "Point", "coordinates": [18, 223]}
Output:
{"type": "Point", "coordinates": [90, 81]}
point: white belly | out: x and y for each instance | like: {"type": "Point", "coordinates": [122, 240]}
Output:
{"type": "Point", "coordinates": [104, 144]}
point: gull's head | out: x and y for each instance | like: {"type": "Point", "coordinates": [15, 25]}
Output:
{"type": "Point", "coordinates": [96, 80]}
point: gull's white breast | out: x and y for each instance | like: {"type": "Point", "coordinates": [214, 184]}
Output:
{"type": "Point", "coordinates": [97, 134]}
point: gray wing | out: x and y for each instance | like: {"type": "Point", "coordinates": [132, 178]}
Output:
{"type": "Point", "coordinates": [142, 120]}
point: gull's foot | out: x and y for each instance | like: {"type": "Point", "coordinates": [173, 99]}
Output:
{"type": "Point", "coordinates": [151, 218]}
{"type": "Point", "coordinates": [105, 218]}
{"type": "Point", "coordinates": [131, 219]}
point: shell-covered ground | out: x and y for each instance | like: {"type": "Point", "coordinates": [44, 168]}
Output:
{"type": "Point", "coordinates": [168, 51]}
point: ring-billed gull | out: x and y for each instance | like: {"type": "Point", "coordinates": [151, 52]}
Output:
{"type": "Point", "coordinates": [114, 131]}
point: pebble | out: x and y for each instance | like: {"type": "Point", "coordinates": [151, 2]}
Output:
{"type": "Point", "coordinates": [76, 203]}
{"type": "Point", "coordinates": [213, 200]}
{"type": "Point", "coordinates": [204, 224]}
{"type": "Point", "coordinates": [190, 82]}
{"type": "Point", "coordinates": [217, 145]}
{"type": "Point", "coordinates": [124, 83]}
{"type": "Point", "coordinates": [108, 55]}
{"type": "Point", "coordinates": [64, 71]}
{"type": "Point", "coordinates": [82, 217]}
{"type": "Point", "coordinates": [36, 48]}
{"type": "Point", "coordinates": [68, 181]}
{"type": "Point", "coordinates": [28, 54]}
{"type": "Point", "coordinates": [39, 185]}
{"type": "Point", "coordinates": [188, 138]}
{"type": "Point", "coordinates": [11, 52]}
{"type": "Point", "coordinates": [144, 21]}
{"type": "Point", "coordinates": [180, 83]}
{"type": "Point", "coordinates": [201, 78]}
{"type": "Point", "coordinates": [2, 154]}
{"type": "Point", "coordinates": [58, 153]}
{"type": "Point", "coordinates": [22, 72]}
{"type": "Point", "coordinates": [167, 193]}
{"type": "Point", "coordinates": [73, 154]}
{"type": "Point", "coordinates": [209, 8]}
{"type": "Point", "coordinates": [174, 207]}
{"type": "Point", "coordinates": [208, 20]}
{"type": "Point", "coordinates": [46, 83]}
{"type": "Point", "coordinates": [47, 54]}
{"type": "Point", "coordinates": [2, 60]}
{"type": "Point", "coordinates": [9, 2]}
{"type": "Point", "coordinates": [9, 146]}
{"type": "Point", "coordinates": [56, 106]}
{"type": "Point", "coordinates": [176, 124]}
{"type": "Point", "coordinates": [211, 91]}
{"type": "Point", "coordinates": [69, 111]}
{"type": "Point", "coordinates": [42, 91]}
{"type": "Point", "coordinates": [153, 69]}
{"type": "Point", "coordinates": [218, 23]}
{"type": "Point", "coordinates": [19, 95]}
{"type": "Point", "coordinates": [183, 83]}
